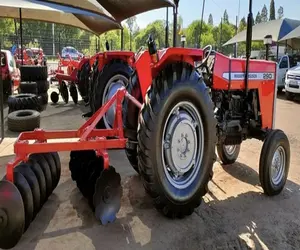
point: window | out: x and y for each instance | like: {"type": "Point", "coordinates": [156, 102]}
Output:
{"type": "Point", "coordinates": [284, 63]}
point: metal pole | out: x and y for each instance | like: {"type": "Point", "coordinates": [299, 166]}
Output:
{"type": "Point", "coordinates": [53, 39]}
{"type": "Point", "coordinates": [221, 31]}
{"type": "Point", "coordinates": [1, 99]}
{"type": "Point", "coordinates": [201, 24]}
{"type": "Point", "coordinates": [122, 39]}
{"type": "Point", "coordinates": [167, 29]}
{"type": "Point", "coordinates": [236, 31]}
{"type": "Point", "coordinates": [175, 12]}
{"type": "Point", "coordinates": [21, 35]}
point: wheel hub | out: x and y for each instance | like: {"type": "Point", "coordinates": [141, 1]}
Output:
{"type": "Point", "coordinates": [182, 143]}
{"type": "Point", "coordinates": [111, 88]}
{"type": "Point", "coordinates": [230, 149]}
{"type": "Point", "coordinates": [278, 165]}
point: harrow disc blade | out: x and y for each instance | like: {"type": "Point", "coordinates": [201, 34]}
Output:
{"type": "Point", "coordinates": [12, 215]}
{"type": "Point", "coordinates": [107, 196]}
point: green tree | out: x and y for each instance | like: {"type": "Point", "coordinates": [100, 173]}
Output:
{"type": "Point", "coordinates": [264, 14]}
{"type": "Point", "coordinates": [210, 20]}
{"type": "Point", "coordinates": [131, 22]}
{"type": "Point", "coordinates": [225, 17]}
{"type": "Point", "coordinates": [272, 10]}
{"type": "Point", "coordinates": [280, 12]}
{"type": "Point", "coordinates": [242, 25]}
{"type": "Point", "coordinates": [258, 18]}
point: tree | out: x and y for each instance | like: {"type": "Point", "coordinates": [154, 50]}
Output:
{"type": "Point", "coordinates": [272, 10]}
{"type": "Point", "coordinates": [131, 22]}
{"type": "Point", "coordinates": [242, 25]}
{"type": "Point", "coordinates": [264, 14]}
{"type": "Point", "coordinates": [225, 17]}
{"type": "Point", "coordinates": [258, 18]}
{"type": "Point", "coordinates": [210, 20]}
{"type": "Point", "coordinates": [280, 12]}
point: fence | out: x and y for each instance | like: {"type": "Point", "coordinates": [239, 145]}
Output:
{"type": "Point", "coordinates": [52, 46]}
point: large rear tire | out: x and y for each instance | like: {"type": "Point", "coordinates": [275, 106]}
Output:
{"type": "Point", "coordinates": [114, 75]}
{"type": "Point", "coordinates": [176, 140]}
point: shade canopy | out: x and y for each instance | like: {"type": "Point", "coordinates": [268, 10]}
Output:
{"type": "Point", "coordinates": [123, 9]}
{"type": "Point", "coordinates": [293, 38]}
{"type": "Point", "coordinates": [96, 21]}
{"type": "Point", "coordinates": [276, 28]}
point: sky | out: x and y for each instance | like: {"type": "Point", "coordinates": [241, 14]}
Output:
{"type": "Point", "coordinates": [192, 9]}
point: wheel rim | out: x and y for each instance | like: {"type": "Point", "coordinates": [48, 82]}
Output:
{"type": "Point", "coordinates": [182, 145]}
{"type": "Point", "coordinates": [114, 83]}
{"type": "Point", "coordinates": [278, 165]}
{"type": "Point", "coordinates": [230, 149]}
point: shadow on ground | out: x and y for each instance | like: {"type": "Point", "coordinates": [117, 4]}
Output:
{"type": "Point", "coordinates": [249, 220]}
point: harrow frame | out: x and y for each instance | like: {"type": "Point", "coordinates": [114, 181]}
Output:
{"type": "Point", "coordinates": [89, 137]}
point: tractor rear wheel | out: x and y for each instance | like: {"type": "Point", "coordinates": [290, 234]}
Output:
{"type": "Point", "coordinates": [176, 140]}
{"type": "Point", "coordinates": [83, 81]}
{"type": "Point", "coordinates": [228, 154]}
{"type": "Point", "coordinates": [113, 76]}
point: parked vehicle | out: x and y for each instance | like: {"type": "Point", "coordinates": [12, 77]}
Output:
{"type": "Point", "coordinates": [285, 63]}
{"type": "Point", "coordinates": [10, 73]}
{"type": "Point", "coordinates": [71, 52]}
{"type": "Point", "coordinates": [292, 82]}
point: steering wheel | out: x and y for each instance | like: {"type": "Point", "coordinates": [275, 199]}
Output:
{"type": "Point", "coordinates": [206, 53]}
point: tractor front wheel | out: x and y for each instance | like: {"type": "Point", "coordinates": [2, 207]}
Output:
{"type": "Point", "coordinates": [228, 154]}
{"type": "Point", "coordinates": [176, 140]}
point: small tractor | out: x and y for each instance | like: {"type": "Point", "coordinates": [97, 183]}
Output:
{"type": "Point", "coordinates": [179, 105]}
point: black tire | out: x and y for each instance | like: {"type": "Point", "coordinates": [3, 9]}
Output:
{"type": "Point", "coordinates": [130, 120]}
{"type": "Point", "coordinates": [176, 82]}
{"type": "Point", "coordinates": [40, 159]}
{"type": "Point", "coordinates": [23, 120]}
{"type": "Point", "coordinates": [28, 87]}
{"type": "Point", "coordinates": [92, 84]}
{"type": "Point", "coordinates": [56, 159]}
{"type": "Point", "coordinates": [276, 139]}
{"type": "Point", "coordinates": [32, 73]}
{"type": "Point", "coordinates": [228, 157]}
{"type": "Point", "coordinates": [83, 80]}
{"type": "Point", "coordinates": [30, 177]}
{"type": "Point", "coordinates": [74, 93]}
{"type": "Point", "coordinates": [23, 101]}
{"type": "Point", "coordinates": [54, 97]}
{"type": "Point", "coordinates": [36, 168]}
{"type": "Point", "coordinates": [42, 86]}
{"type": "Point", "coordinates": [110, 70]}
{"type": "Point", "coordinates": [44, 98]}
{"type": "Point", "coordinates": [64, 92]}
{"type": "Point", "coordinates": [289, 96]}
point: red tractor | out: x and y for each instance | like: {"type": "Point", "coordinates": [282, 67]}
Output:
{"type": "Point", "coordinates": [180, 104]}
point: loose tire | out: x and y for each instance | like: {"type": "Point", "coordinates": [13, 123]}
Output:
{"type": "Point", "coordinates": [28, 87]}
{"type": "Point", "coordinates": [54, 97]}
{"type": "Point", "coordinates": [23, 120]}
{"type": "Point", "coordinates": [42, 86]}
{"type": "Point", "coordinates": [23, 101]}
{"type": "Point", "coordinates": [32, 73]}
{"type": "Point", "coordinates": [274, 162]}
{"type": "Point", "coordinates": [44, 98]}
{"type": "Point", "coordinates": [228, 154]}
{"type": "Point", "coordinates": [177, 184]}
{"type": "Point", "coordinates": [114, 75]}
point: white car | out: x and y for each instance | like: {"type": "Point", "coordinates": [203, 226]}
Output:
{"type": "Point", "coordinates": [292, 82]}
{"type": "Point", "coordinates": [71, 52]}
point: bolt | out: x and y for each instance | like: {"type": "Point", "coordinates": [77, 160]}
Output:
{"type": "Point", "coordinates": [166, 145]}
{"type": "Point", "coordinates": [195, 124]}
{"type": "Point", "coordinates": [168, 136]}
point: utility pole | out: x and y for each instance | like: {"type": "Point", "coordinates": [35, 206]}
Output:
{"type": "Point", "coordinates": [237, 23]}
{"type": "Point", "coordinates": [221, 31]}
{"type": "Point", "coordinates": [201, 24]}
{"type": "Point", "coordinates": [236, 30]}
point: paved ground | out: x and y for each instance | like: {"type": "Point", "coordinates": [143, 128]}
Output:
{"type": "Point", "coordinates": [235, 214]}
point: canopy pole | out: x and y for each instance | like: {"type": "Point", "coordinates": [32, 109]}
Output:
{"type": "Point", "coordinates": [175, 12]}
{"type": "Point", "coordinates": [122, 38]}
{"type": "Point", "coordinates": [201, 25]}
{"type": "Point", "coordinates": [21, 35]}
{"type": "Point", "coordinates": [167, 28]}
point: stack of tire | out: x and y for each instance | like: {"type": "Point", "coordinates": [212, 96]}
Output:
{"type": "Point", "coordinates": [25, 107]}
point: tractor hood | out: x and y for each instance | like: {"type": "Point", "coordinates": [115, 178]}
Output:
{"type": "Point", "coordinates": [123, 9]}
